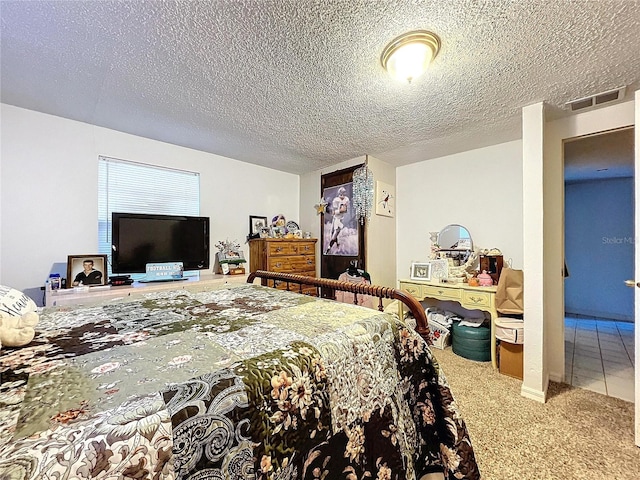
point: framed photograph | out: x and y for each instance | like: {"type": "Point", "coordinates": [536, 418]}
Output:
{"type": "Point", "coordinates": [86, 270]}
{"type": "Point", "coordinates": [439, 269]}
{"type": "Point", "coordinates": [421, 271]}
{"type": "Point", "coordinates": [256, 224]}
{"type": "Point", "coordinates": [385, 199]}
{"type": "Point", "coordinates": [231, 256]}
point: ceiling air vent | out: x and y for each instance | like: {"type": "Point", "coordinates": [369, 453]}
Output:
{"type": "Point", "coordinates": [595, 100]}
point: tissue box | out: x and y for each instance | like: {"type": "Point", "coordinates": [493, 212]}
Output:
{"type": "Point", "coordinates": [439, 335]}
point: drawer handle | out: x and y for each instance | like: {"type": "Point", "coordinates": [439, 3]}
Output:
{"type": "Point", "coordinates": [278, 265]}
{"type": "Point", "coordinates": [440, 292]}
{"type": "Point", "coordinates": [476, 300]}
{"type": "Point", "coordinates": [309, 262]}
{"type": "Point", "coordinates": [278, 249]}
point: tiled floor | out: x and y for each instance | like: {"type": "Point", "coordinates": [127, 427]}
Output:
{"type": "Point", "coordinates": [599, 356]}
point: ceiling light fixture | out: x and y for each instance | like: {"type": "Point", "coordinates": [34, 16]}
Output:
{"type": "Point", "coordinates": [409, 55]}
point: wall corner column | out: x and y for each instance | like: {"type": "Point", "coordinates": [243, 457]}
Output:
{"type": "Point", "coordinates": [535, 381]}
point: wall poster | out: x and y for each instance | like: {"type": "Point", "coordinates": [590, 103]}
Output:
{"type": "Point", "coordinates": [340, 236]}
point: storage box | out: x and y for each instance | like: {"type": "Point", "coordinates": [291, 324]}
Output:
{"type": "Point", "coordinates": [439, 335]}
{"type": "Point", "coordinates": [510, 359]}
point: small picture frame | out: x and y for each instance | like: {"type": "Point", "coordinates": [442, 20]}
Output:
{"type": "Point", "coordinates": [385, 199]}
{"type": "Point", "coordinates": [256, 224]}
{"type": "Point", "coordinates": [88, 270]}
{"type": "Point", "coordinates": [439, 269]}
{"type": "Point", "coordinates": [421, 271]}
{"type": "Point", "coordinates": [231, 256]}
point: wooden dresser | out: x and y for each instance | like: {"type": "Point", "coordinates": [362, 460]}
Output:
{"type": "Point", "coordinates": [284, 255]}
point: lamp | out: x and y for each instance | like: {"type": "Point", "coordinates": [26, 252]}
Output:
{"type": "Point", "coordinates": [409, 55]}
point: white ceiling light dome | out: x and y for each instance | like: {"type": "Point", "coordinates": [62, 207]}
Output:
{"type": "Point", "coordinates": [409, 55]}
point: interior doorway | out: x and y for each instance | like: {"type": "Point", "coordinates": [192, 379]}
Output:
{"type": "Point", "coordinates": [599, 251]}
{"type": "Point", "coordinates": [342, 237]}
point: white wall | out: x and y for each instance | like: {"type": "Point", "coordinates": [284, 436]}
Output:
{"type": "Point", "coordinates": [381, 231]}
{"type": "Point", "coordinates": [479, 189]}
{"type": "Point", "coordinates": [49, 201]}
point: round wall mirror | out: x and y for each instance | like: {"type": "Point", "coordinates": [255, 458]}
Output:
{"type": "Point", "coordinates": [454, 237]}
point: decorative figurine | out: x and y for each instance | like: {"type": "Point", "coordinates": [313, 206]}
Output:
{"type": "Point", "coordinates": [485, 279]}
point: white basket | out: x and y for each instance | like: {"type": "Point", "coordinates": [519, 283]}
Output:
{"type": "Point", "coordinates": [439, 335]}
{"type": "Point", "coordinates": [510, 330]}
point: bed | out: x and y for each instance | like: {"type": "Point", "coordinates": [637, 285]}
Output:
{"type": "Point", "coordinates": [236, 382]}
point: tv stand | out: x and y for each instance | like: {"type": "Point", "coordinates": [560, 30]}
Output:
{"type": "Point", "coordinates": [70, 296]}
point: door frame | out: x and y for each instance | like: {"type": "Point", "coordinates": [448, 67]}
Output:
{"type": "Point", "coordinates": [637, 265]}
{"type": "Point", "coordinates": [620, 114]}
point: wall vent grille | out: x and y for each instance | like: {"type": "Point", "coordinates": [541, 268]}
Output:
{"type": "Point", "coordinates": [595, 100]}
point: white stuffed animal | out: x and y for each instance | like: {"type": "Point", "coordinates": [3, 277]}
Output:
{"type": "Point", "coordinates": [17, 331]}
{"type": "Point", "coordinates": [18, 316]}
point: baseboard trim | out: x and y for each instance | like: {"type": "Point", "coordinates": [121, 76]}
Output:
{"type": "Point", "coordinates": [590, 314]}
{"type": "Point", "coordinates": [534, 394]}
{"type": "Point", "coordinates": [556, 377]}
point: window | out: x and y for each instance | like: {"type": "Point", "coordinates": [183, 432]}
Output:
{"type": "Point", "coordinates": [131, 187]}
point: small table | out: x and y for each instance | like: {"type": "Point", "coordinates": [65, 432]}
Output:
{"type": "Point", "coordinates": [471, 298]}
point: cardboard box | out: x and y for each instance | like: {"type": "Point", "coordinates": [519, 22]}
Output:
{"type": "Point", "coordinates": [510, 360]}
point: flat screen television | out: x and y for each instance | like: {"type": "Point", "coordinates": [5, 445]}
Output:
{"type": "Point", "coordinates": [138, 239]}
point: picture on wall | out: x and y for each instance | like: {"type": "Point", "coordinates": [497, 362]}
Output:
{"type": "Point", "coordinates": [340, 225]}
{"type": "Point", "coordinates": [385, 199]}
{"type": "Point", "coordinates": [86, 270]}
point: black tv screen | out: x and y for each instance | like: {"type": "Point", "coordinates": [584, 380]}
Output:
{"type": "Point", "coordinates": [138, 239]}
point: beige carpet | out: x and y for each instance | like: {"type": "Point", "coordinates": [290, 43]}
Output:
{"type": "Point", "coordinates": [577, 434]}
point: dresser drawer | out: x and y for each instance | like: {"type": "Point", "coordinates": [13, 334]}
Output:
{"type": "Point", "coordinates": [476, 299]}
{"type": "Point", "coordinates": [304, 248]}
{"type": "Point", "coordinates": [412, 289]}
{"type": "Point", "coordinates": [292, 264]}
{"type": "Point", "coordinates": [291, 248]}
{"type": "Point", "coordinates": [443, 293]}
{"type": "Point", "coordinates": [281, 249]}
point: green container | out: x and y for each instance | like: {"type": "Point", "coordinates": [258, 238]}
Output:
{"type": "Point", "coordinates": [473, 343]}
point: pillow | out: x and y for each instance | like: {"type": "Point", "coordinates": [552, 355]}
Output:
{"type": "Point", "coordinates": [14, 302]}
{"type": "Point", "coordinates": [17, 318]}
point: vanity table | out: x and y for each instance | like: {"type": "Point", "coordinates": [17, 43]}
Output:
{"type": "Point", "coordinates": [471, 298]}
{"type": "Point", "coordinates": [454, 244]}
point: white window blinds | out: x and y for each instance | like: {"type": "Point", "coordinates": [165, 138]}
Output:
{"type": "Point", "coordinates": [131, 187]}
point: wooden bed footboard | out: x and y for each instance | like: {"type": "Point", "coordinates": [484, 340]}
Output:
{"type": "Point", "coordinates": [357, 289]}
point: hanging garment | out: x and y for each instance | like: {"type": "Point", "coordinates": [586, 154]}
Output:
{"type": "Point", "coordinates": [347, 297]}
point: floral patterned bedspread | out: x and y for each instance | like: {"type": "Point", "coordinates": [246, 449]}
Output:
{"type": "Point", "coordinates": [239, 382]}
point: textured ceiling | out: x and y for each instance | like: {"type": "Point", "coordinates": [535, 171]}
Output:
{"type": "Point", "coordinates": [297, 84]}
{"type": "Point", "coordinates": [605, 155]}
